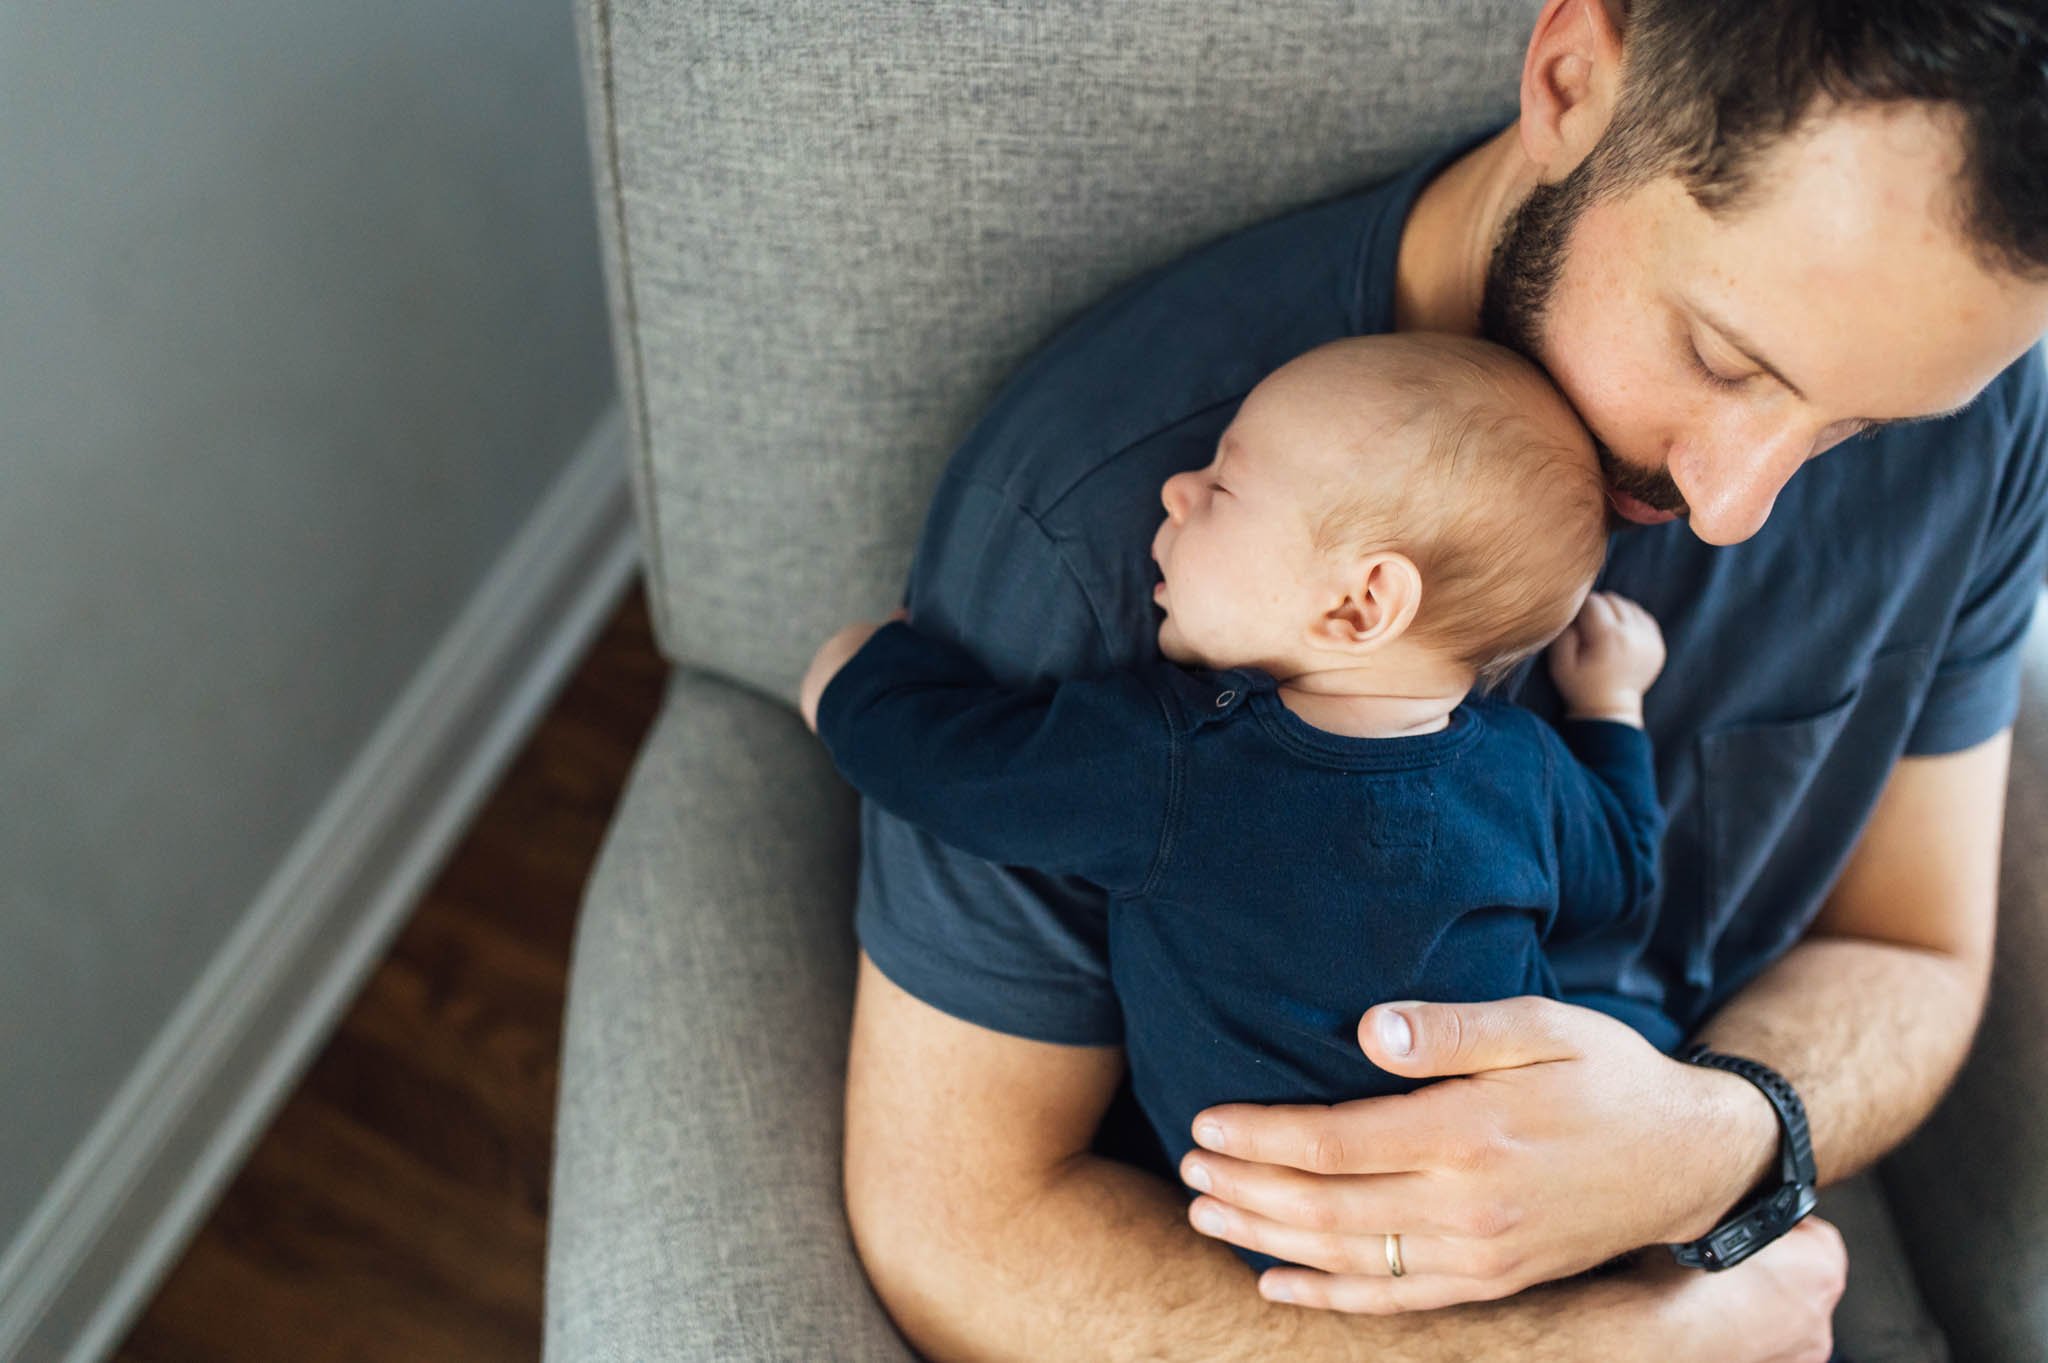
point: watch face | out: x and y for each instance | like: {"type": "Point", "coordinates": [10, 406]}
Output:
{"type": "Point", "coordinates": [1730, 1244]}
{"type": "Point", "coordinates": [1751, 1228]}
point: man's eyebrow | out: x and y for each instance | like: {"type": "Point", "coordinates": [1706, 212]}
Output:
{"type": "Point", "coordinates": [1748, 349]}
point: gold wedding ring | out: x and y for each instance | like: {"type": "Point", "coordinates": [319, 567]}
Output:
{"type": "Point", "coordinates": [1394, 1255]}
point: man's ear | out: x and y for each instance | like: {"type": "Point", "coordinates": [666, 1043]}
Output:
{"type": "Point", "coordinates": [1381, 594]}
{"type": "Point", "coordinates": [1570, 78]}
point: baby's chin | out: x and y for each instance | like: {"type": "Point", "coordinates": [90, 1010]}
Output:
{"type": "Point", "coordinates": [1175, 649]}
{"type": "Point", "coordinates": [1168, 644]}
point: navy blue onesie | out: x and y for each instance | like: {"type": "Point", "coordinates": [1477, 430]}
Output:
{"type": "Point", "coordinates": [1269, 881]}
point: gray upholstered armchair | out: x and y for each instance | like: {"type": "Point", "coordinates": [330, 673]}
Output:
{"type": "Point", "coordinates": [831, 228]}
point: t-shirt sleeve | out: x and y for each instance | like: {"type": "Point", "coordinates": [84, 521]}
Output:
{"type": "Point", "coordinates": [1070, 777]}
{"type": "Point", "coordinates": [1014, 950]}
{"type": "Point", "coordinates": [1609, 825]}
{"type": "Point", "coordinates": [1975, 689]}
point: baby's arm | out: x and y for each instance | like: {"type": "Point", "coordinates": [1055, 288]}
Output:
{"type": "Point", "coordinates": [1609, 822]}
{"type": "Point", "coordinates": [1071, 779]}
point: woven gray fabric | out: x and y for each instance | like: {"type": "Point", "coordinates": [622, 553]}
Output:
{"type": "Point", "coordinates": [1881, 1318]}
{"type": "Point", "coordinates": [696, 1210]}
{"type": "Point", "coordinates": [836, 225]}
{"type": "Point", "coordinates": [1970, 1190]}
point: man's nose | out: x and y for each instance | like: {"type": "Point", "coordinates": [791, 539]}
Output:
{"type": "Point", "coordinates": [1730, 488]}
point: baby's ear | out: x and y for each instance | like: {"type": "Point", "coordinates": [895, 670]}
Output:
{"type": "Point", "coordinates": [1346, 625]}
{"type": "Point", "coordinates": [1381, 594]}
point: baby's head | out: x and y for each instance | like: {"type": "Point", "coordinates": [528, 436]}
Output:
{"type": "Point", "coordinates": [1399, 501]}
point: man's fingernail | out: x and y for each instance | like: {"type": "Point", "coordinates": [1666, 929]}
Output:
{"type": "Point", "coordinates": [1210, 1134]}
{"type": "Point", "coordinates": [1197, 1178]}
{"type": "Point", "coordinates": [1276, 1291]}
{"type": "Point", "coordinates": [1395, 1034]}
{"type": "Point", "coordinates": [1209, 1221]}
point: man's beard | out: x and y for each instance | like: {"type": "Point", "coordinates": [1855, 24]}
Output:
{"type": "Point", "coordinates": [1520, 279]}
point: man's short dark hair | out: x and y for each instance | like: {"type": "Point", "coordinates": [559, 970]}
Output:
{"type": "Point", "coordinates": [1708, 84]}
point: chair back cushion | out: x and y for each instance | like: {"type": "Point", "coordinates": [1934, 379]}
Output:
{"type": "Point", "coordinates": [833, 227]}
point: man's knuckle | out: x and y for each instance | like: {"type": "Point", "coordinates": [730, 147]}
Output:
{"type": "Point", "coordinates": [1489, 1220]}
{"type": "Point", "coordinates": [1331, 1253]}
{"type": "Point", "coordinates": [1481, 1151]}
{"type": "Point", "coordinates": [1518, 1281]}
{"type": "Point", "coordinates": [1456, 1035]}
{"type": "Point", "coordinates": [1462, 1154]}
{"type": "Point", "coordinates": [1493, 1261]}
{"type": "Point", "coordinates": [1324, 1153]}
{"type": "Point", "coordinates": [1311, 1212]}
{"type": "Point", "coordinates": [1503, 1285]}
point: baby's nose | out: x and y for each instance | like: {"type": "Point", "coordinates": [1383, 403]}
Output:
{"type": "Point", "coordinates": [1173, 495]}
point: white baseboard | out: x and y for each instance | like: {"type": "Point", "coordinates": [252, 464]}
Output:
{"type": "Point", "coordinates": [138, 1188]}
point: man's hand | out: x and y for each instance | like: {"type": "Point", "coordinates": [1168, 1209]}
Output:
{"type": "Point", "coordinates": [830, 657]}
{"type": "Point", "coordinates": [1775, 1307]}
{"type": "Point", "coordinates": [1607, 658]}
{"type": "Point", "coordinates": [993, 1233]}
{"type": "Point", "coordinates": [1572, 1141]}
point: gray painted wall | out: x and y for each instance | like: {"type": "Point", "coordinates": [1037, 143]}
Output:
{"type": "Point", "coordinates": [302, 313]}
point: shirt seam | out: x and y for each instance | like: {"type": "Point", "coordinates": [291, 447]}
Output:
{"type": "Point", "coordinates": [1057, 548]}
{"type": "Point", "coordinates": [1176, 753]}
{"type": "Point", "coordinates": [1367, 230]}
{"type": "Point", "coordinates": [899, 938]}
{"type": "Point", "coordinates": [911, 964]}
{"type": "Point", "coordinates": [1452, 749]}
{"type": "Point", "coordinates": [1553, 796]}
{"type": "Point", "coordinates": [2008, 505]}
{"type": "Point", "coordinates": [1054, 503]}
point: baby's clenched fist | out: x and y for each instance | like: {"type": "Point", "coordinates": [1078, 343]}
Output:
{"type": "Point", "coordinates": [1607, 658]}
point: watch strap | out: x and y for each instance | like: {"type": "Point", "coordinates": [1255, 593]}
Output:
{"type": "Point", "coordinates": [1773, 1210]}
{"type": "Point", "coordinates": [1795, 1150]}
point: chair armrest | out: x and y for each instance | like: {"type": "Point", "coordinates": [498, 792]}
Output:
{"type": "Point", "coordinates": [697, 1200]}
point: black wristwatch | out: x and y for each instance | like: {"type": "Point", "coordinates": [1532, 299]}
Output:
{"type": "Point", "coordinates": [1775, 1208]}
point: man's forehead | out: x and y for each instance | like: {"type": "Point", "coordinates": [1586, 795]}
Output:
{"type": "Point", "coordinates": [1847, 268]}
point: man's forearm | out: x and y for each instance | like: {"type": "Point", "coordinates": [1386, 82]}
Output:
{"type": "Point", "coordinates": [1100, 1263]}
{"type": "Point", "coordinates": [1869, 1033]}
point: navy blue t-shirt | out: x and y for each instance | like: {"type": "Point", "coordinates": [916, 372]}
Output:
{"type": "Point", "coordinates": [1269, 881]}
{"type": "Point", "coordinates": [1878, 613]}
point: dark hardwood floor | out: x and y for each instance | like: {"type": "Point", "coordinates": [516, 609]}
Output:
{"type": "Point", "coordinates": [396, 1209]}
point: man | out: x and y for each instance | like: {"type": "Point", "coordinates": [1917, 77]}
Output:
{"type": "Point", "coordinates": [1737, 233]}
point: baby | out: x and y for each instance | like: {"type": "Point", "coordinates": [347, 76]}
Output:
{"type": "Point", "coordinates": [1314, 806]}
